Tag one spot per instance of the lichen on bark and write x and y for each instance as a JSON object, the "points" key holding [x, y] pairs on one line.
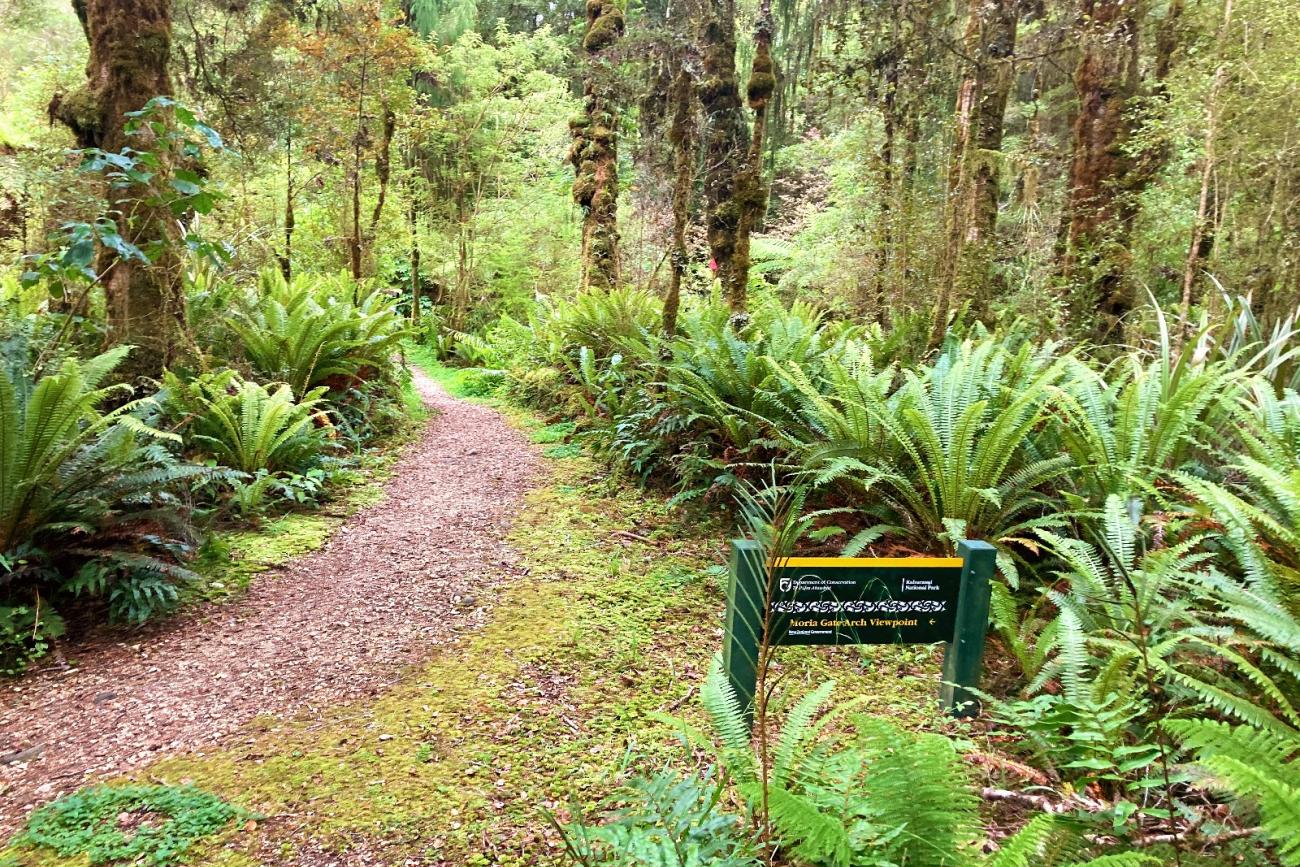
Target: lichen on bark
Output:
{"points": [[594, 150], [725, 152]]}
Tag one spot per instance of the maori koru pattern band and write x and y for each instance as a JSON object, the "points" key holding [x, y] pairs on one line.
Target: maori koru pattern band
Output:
{"points": [[861, 606]]}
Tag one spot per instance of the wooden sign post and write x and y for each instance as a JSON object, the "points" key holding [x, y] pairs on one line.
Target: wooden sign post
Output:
{"points": [[844, 600]]}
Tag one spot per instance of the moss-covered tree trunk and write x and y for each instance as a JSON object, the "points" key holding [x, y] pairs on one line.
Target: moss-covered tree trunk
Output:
{"points": [[130, 45], [725, 151], [594, 152], [286, 260], [974, 173], [682, 136], [1099, 207], [997, 45], [751, 192]]}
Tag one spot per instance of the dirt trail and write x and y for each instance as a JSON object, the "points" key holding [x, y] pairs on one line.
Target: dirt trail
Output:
{"points": [[396, 580]]}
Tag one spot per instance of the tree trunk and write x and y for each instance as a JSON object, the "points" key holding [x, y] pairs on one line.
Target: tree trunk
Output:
{"points": [[682, 136], [727, 196], [413, 224], [286, 261], [358, 151], [751, 191], [955, 215], [1202, 240], [974, 173], [997, 48], [383, 165], [1099, 209], [130, 45], [412, 217], [877, 304], [594, 152], [12, 207]]}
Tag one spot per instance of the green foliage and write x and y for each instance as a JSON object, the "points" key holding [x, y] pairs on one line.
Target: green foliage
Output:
{"points": [[842, 790], [951, 450], [164, 173], [25, 633], [1133, 423], [79, 486], [1259, 509], [1258, 766], [661, 820], [252, 428], [316, 332], [137, 824], [1090, 740], [1133, 612], [872, 795]]}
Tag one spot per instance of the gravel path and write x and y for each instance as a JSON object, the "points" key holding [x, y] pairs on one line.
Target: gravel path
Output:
{"points": [[395, 581]]}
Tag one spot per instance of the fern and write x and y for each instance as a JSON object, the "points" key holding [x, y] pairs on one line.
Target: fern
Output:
{"points": [[79, 485], [257, 428], [311, 334], [951, 451], [1261, 766], [729, 724]]}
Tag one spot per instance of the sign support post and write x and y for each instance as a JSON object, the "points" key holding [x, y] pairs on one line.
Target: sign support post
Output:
{"points": [[964, 657], [746, 603]]}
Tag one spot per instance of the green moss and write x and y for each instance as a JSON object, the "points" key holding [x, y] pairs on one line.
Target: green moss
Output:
{"points": [[79, 109], [553, 433], [760, 89], [762, 79], [604, 26], [231, 559], [584, 188]]}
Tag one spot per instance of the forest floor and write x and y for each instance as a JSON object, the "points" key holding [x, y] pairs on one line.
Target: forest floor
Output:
{"points": [[491, 644], [396, 581]]}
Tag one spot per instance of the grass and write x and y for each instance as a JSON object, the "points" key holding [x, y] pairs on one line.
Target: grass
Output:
{"points": [[549, 706]]}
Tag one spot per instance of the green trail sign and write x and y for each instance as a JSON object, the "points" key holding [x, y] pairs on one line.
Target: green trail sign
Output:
{"points": [[834, 600]]}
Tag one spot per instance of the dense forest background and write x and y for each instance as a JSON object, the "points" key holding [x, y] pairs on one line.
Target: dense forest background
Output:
{"points": [[1050, 161]]}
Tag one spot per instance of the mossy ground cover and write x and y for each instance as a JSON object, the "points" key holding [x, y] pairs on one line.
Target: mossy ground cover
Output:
{"points": [[549, 706]]}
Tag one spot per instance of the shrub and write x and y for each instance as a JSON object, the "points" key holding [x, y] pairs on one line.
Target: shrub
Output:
{"points": [[1136, 614], [1132, 424], [81, 489], [309, 334], [1259, 767], [952, 452], [841, 789], [277, 446], [251, 427]]}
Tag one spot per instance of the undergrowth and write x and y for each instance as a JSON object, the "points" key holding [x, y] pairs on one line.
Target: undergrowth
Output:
{"points": [[136, 823], [621, 607]]}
